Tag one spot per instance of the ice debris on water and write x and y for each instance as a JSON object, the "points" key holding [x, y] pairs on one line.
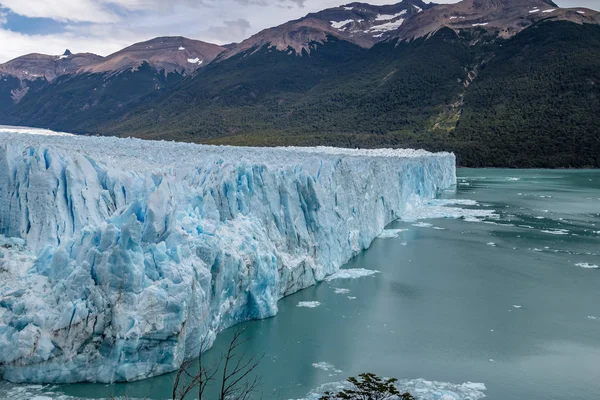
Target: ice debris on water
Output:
{"points": [[556, 231], [441, 208], [391, 233], [308, 304], [423, 225], [341, 291], [588, 266], [351, 274], [325, 366], [420, 388], [124, 253]]}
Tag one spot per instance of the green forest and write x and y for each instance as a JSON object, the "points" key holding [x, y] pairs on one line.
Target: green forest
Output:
{"points": [[529, 101]]}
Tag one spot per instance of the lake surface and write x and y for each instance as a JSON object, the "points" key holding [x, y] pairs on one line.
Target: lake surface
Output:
{"points": [[507, 295]]}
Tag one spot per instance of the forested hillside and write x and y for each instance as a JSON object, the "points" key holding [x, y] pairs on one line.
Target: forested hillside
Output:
{"points": [[532, 100], [537, 102]]}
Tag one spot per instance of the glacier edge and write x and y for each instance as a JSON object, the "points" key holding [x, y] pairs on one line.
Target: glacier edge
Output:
{"points": [[118, 255]]}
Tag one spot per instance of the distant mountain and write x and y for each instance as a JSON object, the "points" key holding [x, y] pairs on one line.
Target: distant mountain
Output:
{"points": [[359, 23], [506, 17], [500, 82], [41, 66], [169, 54]]}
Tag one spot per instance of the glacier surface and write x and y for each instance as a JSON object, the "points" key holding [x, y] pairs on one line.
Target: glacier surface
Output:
{"points": [[117, 256]]}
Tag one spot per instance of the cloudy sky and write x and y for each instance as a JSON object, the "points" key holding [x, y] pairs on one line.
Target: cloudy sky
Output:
{"points": [[105, 26]]}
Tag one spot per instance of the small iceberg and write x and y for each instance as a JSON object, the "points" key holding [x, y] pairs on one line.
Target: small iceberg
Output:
{"points": [[391, 233], [308, 304], [351, 274]]}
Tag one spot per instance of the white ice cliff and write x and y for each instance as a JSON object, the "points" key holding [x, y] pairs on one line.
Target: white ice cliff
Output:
{"points": [[118, 255]]}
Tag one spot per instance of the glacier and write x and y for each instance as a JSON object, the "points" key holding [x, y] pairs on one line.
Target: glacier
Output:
{"points": [[118, 256]]}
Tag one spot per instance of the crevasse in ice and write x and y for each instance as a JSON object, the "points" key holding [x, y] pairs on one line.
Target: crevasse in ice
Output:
{"points": [[118, 255]]}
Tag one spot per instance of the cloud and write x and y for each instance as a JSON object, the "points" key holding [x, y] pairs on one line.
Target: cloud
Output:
{"points": [[230, 30], [16, 44], [62, 10]]}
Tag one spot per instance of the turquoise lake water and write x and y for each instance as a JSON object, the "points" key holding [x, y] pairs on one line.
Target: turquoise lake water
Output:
{"points": [[507, 295]]}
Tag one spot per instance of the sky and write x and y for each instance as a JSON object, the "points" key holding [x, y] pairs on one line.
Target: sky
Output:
{"points": [[106, 26]]}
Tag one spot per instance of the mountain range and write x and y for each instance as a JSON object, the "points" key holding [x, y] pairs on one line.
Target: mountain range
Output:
{"points": [[510, 83]]}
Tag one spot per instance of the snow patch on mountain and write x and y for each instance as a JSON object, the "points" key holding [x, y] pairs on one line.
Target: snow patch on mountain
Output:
{"points": [[341, 24], [390, 26], [388, 17]]}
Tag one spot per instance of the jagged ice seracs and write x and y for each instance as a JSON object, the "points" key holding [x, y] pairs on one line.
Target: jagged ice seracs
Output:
{"points": [[118, 256]]}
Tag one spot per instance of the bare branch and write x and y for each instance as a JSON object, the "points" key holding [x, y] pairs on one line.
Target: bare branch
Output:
{"points": [[235, 373]]}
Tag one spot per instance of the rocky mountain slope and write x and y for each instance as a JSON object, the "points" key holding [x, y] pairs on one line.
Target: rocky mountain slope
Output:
{"points": [[359, 23], [169, 54], [507, 17], [41, 66]]}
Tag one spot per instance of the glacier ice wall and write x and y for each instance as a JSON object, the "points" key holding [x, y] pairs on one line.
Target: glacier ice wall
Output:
{"points": [[118, 255]]}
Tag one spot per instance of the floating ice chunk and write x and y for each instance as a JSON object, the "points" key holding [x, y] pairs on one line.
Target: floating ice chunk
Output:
{"points": [[308, 304], [351, 298], [423, 225], [421, 388], [587, 266], [453, 202], [351, 274], [325, 366], [513, 179], [341, 291], [492, 244], [556, 231], [592, 317], [391, 233], [439, 209], [517, 307]]}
